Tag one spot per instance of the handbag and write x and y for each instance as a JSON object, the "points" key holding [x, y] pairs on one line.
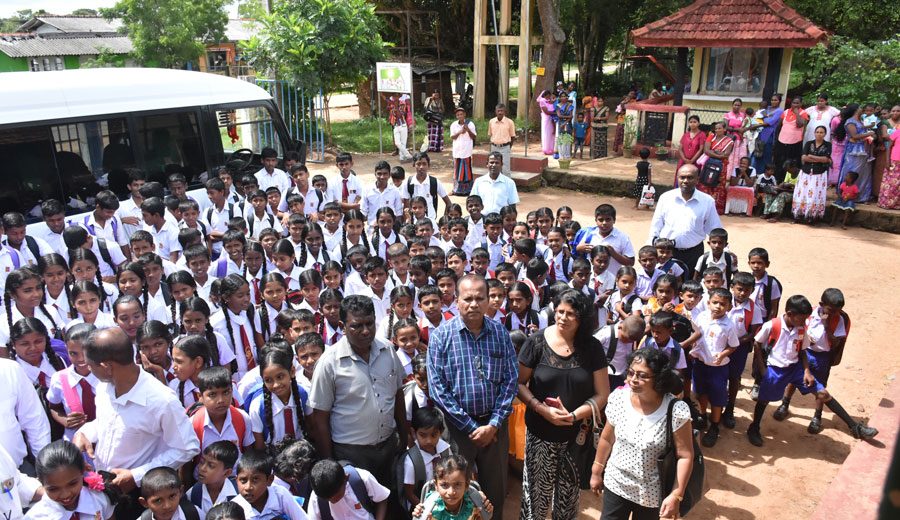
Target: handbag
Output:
{"points": [[583, 452], [711, 174], [667, 465]]}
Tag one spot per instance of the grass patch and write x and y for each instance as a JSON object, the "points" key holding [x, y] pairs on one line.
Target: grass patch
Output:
{"points": [[361, 136]]}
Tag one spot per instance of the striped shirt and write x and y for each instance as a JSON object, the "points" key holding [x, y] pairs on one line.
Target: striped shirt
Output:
{"points": [[472, 379]]}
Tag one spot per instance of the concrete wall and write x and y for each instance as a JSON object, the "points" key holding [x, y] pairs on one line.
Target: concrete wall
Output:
{"points": [[8, 64]]}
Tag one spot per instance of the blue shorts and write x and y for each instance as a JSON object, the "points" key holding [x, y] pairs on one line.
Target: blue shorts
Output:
{"points": [[738, 361], [819, 365], [688, 371], [776, 379], [712, 382]]}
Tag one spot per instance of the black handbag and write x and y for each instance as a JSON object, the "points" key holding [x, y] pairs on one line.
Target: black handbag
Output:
{"points": [[712, 172], [667, 465], [583, 448]]}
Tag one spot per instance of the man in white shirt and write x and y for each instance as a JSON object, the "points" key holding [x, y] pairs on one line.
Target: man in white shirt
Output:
{"points": [[382, 194], [269, 175], [685, 215], [495, 190], [50, 230], [462, 131], [345, 187], [140, 424], [820, 114]]}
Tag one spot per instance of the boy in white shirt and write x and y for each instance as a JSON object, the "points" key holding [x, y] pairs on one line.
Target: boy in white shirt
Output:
{"points": [[718, 256], [381, 195], [418, 463], [163, 495], [647, 273], [257, 496], [258, 217], [424, 185], [747, 319], [215, 484], [710, 375], [345, 188], [621, 251], [349, 493], [269, 175], [165, 235], [784, 338], [129, 211], [618, 340]]}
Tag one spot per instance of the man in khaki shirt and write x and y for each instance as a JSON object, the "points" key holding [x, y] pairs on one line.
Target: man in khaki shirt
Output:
{"points": [[502, 133]]}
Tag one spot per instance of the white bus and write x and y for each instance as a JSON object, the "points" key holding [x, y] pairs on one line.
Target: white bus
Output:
{"points": [[67, 134]]}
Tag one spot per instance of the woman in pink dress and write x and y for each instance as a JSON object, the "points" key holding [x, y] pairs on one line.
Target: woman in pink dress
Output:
{"points": [[548, 129], [837, 152], [691, 147], [735, 124], [889, 194]]}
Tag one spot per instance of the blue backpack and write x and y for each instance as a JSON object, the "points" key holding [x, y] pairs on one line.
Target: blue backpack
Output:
{"points": [[257, 390]]}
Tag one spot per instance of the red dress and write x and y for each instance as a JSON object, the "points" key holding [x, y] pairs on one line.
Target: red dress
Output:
{"points": [[689, 147]]}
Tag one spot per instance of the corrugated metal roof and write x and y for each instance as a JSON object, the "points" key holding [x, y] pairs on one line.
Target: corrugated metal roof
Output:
{"points": [[74, 24], [26, 47]]}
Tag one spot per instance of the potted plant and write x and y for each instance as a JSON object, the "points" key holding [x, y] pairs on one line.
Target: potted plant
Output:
{"points": [[630, 135], [662, 153], [564, 145]]}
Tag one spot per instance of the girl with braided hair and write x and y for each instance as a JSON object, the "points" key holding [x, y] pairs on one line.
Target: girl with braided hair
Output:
{"points": [[84, 266], [330, 324], [190, 355], [255, 269], [24, 298], [55, 272], [310, 287], [29, 345], [195, 315], [86, 302], [384, 235], [133, 282], [354, 235], [354, 261], [154, 343], [182, 286], [312, 251], [274, 291], [283, 257], [407, 339], [401, 308], [333, 276], [236, 322], [279, 411]]}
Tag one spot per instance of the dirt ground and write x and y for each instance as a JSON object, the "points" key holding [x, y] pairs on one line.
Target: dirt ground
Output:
{"points": [[787, 477]]}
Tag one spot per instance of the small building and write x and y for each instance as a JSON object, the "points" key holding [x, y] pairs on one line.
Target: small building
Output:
{"points": [[742, 49], [226, 57], [60, 42]]}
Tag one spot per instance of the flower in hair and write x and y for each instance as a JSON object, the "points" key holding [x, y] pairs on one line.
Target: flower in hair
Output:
{"points": [[94, 481]]}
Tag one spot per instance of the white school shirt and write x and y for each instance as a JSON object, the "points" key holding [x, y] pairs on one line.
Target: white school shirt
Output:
{"points": [[128, 208], [409, 473], [33, 372], [618, 365], [56, 395], [556, 263], [49, 318], [717, 336], [231, 267], [279, 504], [177, 515], [373, 199], [737, 315], [405, 361], [818, 336], [217, 220], [25, 255], [217, 320], [91, 505], [786, 350], [353, 283], [257, 420], [420, 398], [277, 178], [141, 429], [494, 249], [382, 304], [721, 263], [225, 494], [156, 310], [21, 487], [466, 247], [331, 240], [687, 222], [55, 240], [256, 224], [349, 506], [166, 239], [516, 323], [292, 279], [395, 281], [311, 260], [759, 292], [102, 321], [680, 363], [476, 232], [189, 389], [311, 199], [331, 335], [495, 193], [423, 189], [226, 356], [643, 285], [617, 240], [674, 269], [112, 233], [379, 244], [272, 315], [115, 254], [60, 304], [336, 188]]}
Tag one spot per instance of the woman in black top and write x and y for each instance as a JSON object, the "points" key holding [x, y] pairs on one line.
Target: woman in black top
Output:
{"points": [[560, 369], [809, 193]]}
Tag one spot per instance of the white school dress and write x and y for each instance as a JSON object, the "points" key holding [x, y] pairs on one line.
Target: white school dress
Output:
{"points": [[66, 388], [91, 506], [17, 488]]}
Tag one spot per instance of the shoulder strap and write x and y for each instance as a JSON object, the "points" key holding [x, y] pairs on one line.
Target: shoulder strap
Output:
{"points": [[250, 220], [748, 315], [209, 213], [774, 333], [222, 266], [33, 247], [703, 262], [613, 343], [320, 197], [432, 188], [167, 294], [415, 456], [190, 512], [240, 426], [409, 187], [14, 256], [198, 421], [475, 496], [70, 394], [676, 352], [628, 304], [359, 489], [104, 252], [147, 515], [196, 494]]}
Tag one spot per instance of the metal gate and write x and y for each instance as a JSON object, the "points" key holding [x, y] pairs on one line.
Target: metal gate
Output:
{"points": [[303, 113]]}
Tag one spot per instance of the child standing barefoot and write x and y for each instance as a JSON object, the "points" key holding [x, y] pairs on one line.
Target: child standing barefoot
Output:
{"points": [[845, 204], [643, 175]]}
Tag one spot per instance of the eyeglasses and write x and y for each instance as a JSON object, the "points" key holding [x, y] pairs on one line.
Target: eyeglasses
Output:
{"points": [[640, 376]]}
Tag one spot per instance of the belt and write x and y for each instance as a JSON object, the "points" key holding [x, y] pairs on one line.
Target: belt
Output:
{"points": [[689, 248], [501, 145]]}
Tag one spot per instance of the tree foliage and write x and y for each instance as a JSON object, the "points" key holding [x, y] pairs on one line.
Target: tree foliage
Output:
{"points": [[169, 33]]}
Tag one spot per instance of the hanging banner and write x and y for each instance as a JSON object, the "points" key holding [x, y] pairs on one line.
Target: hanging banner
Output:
{"points": [[393, 77]]}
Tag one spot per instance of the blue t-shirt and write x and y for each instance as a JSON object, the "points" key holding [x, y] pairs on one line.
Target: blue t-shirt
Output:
{"points": [[580, 130]]}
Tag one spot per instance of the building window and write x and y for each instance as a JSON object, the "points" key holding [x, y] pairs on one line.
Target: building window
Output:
{"points": [[735, 71], [47, 63]]}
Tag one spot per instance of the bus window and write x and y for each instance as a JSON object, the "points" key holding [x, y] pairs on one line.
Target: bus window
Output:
{"points": [[248, 128], [93, 153], [171, 144], [28, 170]]}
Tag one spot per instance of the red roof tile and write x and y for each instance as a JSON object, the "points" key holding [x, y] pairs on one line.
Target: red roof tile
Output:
{"points": [[731, 23]]}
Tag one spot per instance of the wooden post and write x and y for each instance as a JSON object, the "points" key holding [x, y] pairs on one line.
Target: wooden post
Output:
{"points": [[479, 60], [524, 97], [505, 22]]}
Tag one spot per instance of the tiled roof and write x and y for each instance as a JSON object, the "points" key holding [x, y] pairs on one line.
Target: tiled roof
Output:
{"points": [[30, 46], [74, 24], [731, 23]]}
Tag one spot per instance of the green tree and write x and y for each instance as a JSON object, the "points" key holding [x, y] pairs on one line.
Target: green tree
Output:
{"points": [[170, 33], [84, 12], [322, 43]]}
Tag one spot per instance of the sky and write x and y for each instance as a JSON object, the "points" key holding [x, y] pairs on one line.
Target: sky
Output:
{"points": [[10, 7]]}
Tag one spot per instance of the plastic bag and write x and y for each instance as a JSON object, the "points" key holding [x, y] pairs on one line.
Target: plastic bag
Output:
{"points": [[648, 197]]}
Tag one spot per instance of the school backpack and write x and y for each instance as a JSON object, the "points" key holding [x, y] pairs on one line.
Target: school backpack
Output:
{"points": [[114, 222], [767, 293], [195, 494], [432, 189], [198, 421], [430, 496], [682, 327], [531, 318], [359, 489], [613, 344], [830, 327], [418, 463], [729, 266], [222, 266], [250, 220], [775, 333], [187, 508], [673, 262], [209, 213]]}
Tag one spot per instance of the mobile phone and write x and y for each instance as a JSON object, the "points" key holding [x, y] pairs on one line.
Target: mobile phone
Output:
{"points": [[553, 402]]}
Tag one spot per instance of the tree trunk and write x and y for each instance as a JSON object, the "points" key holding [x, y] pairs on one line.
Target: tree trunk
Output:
{"points": [[554, 39]]}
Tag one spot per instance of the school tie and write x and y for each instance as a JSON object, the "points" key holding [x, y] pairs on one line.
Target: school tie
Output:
{"points": [[248, 352], [74, 516], [386, 246], [288, 422], [169, 377], [335, 337], [196, 395], [551, 273], [87, 400], [345, 192], [42, 380], [317, 266], [256, 293]]}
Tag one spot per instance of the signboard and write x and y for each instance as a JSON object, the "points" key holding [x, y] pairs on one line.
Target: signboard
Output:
{"points": [[393, 77], [539, 71], [656, 128]]}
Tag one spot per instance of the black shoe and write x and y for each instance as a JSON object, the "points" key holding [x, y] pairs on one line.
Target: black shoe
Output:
{"points": [[711, 436], [754, 393], [728, 420], [861, 431], [781, 412], [754, 436], [815, 425], [701, 423]]}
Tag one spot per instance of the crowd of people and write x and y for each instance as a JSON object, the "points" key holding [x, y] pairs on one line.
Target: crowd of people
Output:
{"points": [[325, 348]]}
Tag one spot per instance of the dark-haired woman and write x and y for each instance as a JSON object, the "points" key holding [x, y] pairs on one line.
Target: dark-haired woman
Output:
{"points": [[561, 368], [625, 468]]}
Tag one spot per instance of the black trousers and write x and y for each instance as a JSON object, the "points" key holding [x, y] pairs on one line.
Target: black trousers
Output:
{"points": [[491, 462], [618, 508], [690, 257], [377, 459]]}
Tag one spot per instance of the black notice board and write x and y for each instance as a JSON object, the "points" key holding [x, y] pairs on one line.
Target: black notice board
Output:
{"points": [[656, 128]]}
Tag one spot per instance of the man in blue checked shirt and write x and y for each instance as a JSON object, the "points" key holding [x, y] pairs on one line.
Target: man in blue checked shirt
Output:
{"points": [[472, 377]]}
